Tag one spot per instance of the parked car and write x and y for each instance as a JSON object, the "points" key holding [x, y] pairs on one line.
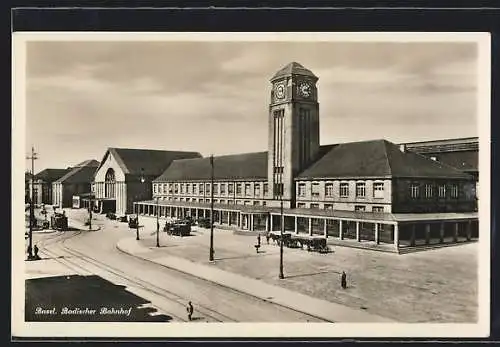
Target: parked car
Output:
{"points": [[204, 222], [111, 215], [133, 222]]}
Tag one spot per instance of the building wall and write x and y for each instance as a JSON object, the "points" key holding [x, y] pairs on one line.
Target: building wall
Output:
{"points": [[346, 203], [186, 192], [403, 202], [98, 186]]}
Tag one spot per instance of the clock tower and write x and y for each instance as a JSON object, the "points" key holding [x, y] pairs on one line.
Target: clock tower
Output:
{"points": [[293, 129]]}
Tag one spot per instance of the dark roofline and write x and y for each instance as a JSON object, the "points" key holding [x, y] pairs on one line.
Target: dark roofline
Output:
{"points": [[457, 139]]}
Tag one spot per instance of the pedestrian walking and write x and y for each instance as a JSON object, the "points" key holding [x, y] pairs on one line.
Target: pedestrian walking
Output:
{"points": [[35, 249], [190, 310], [267, 238], [258, 239], [30, 255], [343, 280]]}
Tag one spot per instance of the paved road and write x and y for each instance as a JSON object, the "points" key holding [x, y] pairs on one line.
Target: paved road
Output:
{"points": [[168, 290]]}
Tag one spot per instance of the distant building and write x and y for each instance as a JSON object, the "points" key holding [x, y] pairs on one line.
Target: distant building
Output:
{"points": [[373, 191], [461, 153], [42, 187], [124, 176], [76, 182]]}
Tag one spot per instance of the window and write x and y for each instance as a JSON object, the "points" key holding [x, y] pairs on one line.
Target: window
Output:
{"points": [[247, 189], [360, 189], [329, 190], [328, 206], [195, 189], [278, 189], [301, 205], [302, 189], [230, 188], [222, 201], [200, 188], [181, 199], [454, 191], [414, 191], [256, 203], [256, 189], [263, 203], [230, 202], [170, 188], [223, 189], [238, 188], [207, 188], [188, 199], [378, 209], [183, 188], [428, 191], [314, 205], [442, 191], [315, 189], [154, 188], [359, 208], [207, 200], [176, 188], [216, 188], [247, 203], [378, 190], [344, 190], [266, 188], [239, 202], [164, 188]]}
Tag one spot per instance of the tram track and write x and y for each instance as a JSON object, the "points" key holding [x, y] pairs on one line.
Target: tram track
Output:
{"points": [[116, 275]]}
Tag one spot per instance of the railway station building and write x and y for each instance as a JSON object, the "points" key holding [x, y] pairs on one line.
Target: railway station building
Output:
{"points": [[376, 193]]}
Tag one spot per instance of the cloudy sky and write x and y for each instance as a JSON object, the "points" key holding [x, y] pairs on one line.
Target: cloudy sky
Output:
{"points": [[213, 97]]}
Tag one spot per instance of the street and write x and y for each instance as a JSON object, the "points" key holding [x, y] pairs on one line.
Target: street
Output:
{"points": [[94, 253]]}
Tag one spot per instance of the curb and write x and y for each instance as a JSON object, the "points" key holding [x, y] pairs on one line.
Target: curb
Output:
{"points": [[327, 320], [222, 285]]}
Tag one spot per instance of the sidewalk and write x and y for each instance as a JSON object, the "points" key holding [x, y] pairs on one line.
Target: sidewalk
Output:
{"points": [[316, 307]]}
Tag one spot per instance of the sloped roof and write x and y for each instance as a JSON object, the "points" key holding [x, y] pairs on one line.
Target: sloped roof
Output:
{"points": [[51, 175], [90, 162], [293, 68], [463, 160], [376, 158], [81, 173], [148, 162], [238, 166]]}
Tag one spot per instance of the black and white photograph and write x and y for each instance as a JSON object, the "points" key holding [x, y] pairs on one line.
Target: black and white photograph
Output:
{"points": [[251, 185]]}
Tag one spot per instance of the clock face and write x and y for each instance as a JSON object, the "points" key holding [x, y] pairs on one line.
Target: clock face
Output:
{"points": [[280, 91], [305, 89]]}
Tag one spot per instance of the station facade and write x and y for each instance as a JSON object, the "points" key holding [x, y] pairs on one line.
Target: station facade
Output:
{"points": [[370, 191]]}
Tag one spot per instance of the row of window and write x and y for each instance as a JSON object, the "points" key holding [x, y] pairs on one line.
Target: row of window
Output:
{"points": [[378, 189], [429, 190], [359, 208], [216, 201], [204, 188]]}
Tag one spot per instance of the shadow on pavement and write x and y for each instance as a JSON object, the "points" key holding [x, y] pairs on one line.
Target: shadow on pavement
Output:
{"points": [[85, 299]]}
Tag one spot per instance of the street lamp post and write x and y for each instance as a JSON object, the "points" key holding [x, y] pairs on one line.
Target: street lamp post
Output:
{"points": [[282, 231], [90, 211], [211, 257], [137, 222], [157, 223], [33, 157]]}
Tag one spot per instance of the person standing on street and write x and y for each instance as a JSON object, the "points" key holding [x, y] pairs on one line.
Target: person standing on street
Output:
{"points": [[190, 310], [343, 280]]}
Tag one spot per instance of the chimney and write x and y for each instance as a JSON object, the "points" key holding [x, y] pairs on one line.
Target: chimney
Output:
{"points": [[402, 148]]}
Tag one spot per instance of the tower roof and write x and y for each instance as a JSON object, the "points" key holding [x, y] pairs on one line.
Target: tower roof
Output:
{"points": [[293, 68]]}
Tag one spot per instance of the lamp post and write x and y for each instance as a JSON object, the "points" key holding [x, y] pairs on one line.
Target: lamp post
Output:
{"points": [[211, 257], [137, 222], [157, 223], [33, 157], [282, 230], [90, 211]]}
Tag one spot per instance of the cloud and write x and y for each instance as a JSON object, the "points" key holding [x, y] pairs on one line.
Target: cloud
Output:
{"points": [[83, 97]]}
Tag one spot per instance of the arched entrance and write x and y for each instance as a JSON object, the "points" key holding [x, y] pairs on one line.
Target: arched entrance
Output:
{"points": [[109, 184]]}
